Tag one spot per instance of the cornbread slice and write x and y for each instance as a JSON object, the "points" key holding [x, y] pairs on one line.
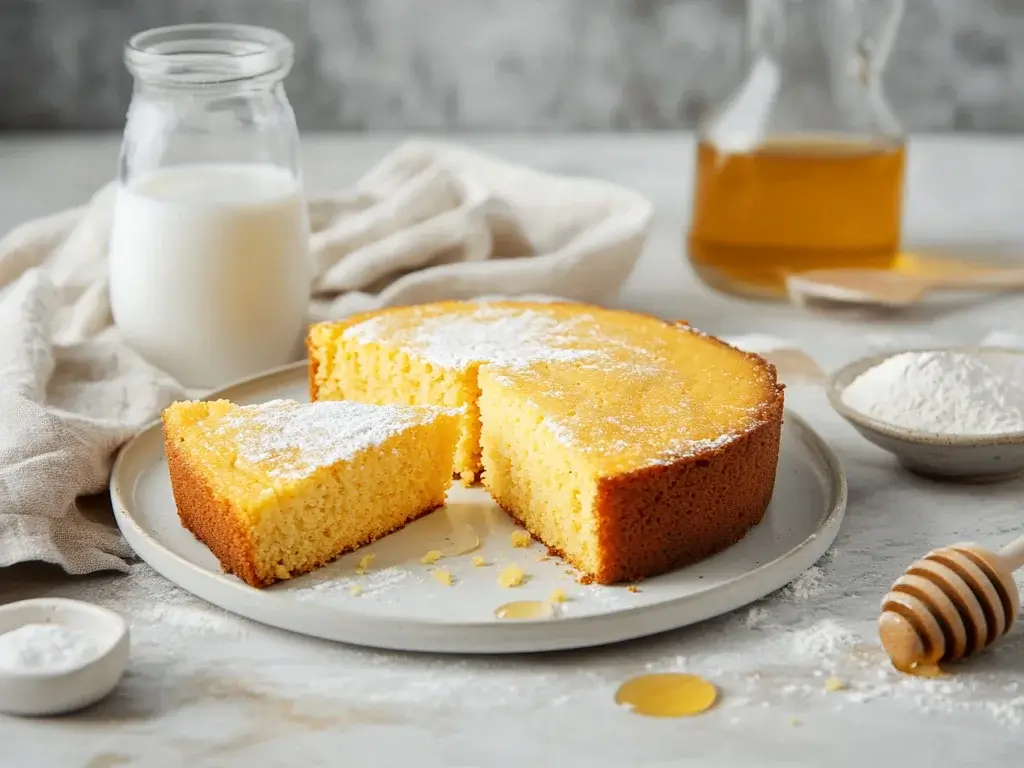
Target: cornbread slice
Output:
{"points": [[278, 489], [628, 445]]}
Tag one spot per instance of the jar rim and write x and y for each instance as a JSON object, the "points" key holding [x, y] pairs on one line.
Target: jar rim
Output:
{"points": [[208, 53]]}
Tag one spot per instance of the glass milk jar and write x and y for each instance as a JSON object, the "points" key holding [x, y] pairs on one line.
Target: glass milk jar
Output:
{"points": [[210, 271]]}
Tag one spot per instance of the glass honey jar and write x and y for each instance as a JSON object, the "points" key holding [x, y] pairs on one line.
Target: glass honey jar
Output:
{"points": [[802, 166]]}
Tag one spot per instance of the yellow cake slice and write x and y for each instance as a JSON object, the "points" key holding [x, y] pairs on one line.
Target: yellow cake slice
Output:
{"points": [[627, 444], [278, 489]]}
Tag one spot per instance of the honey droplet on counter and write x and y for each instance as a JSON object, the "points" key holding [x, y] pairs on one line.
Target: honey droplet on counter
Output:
{"points": [[667, 694], [526, 609], [461, 540]]}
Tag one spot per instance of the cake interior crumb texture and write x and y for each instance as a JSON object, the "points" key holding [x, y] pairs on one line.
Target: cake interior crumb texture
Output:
{"points": [[278, 489], [628, 445]]}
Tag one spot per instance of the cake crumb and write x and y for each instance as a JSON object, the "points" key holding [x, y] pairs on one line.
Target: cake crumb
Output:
{"points": [[542, 558], [570, 572], [443, 576], [558, 596], [633, 588], [521, 539], [355, 590], [794, 721], [833, 684], [479, 562], [585, 579], [432, 557], [511, 576], [364, 564]]}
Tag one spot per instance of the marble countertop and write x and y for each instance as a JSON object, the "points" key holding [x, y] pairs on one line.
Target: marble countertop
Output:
{"points": [[207, 688]]}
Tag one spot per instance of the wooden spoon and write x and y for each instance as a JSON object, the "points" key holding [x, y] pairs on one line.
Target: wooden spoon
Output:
{"points": [[951, 604], [894, 289]]}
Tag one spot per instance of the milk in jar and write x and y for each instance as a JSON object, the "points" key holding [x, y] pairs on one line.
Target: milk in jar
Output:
{"points": [[209, 269]]}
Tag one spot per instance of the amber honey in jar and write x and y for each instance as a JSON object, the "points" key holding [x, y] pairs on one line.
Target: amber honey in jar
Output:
{"points": [[792, 204], [801, 167]]}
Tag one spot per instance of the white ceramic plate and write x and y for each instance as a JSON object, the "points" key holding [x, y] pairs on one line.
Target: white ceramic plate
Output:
{"points": [[403, 606]]}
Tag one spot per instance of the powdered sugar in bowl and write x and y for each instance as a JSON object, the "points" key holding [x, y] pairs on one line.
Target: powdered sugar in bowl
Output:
{"points": [[956, 413], [58, 655]]}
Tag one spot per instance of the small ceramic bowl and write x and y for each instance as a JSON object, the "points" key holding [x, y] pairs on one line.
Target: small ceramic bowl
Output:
{"points": [[964, 458], [35, 693]]}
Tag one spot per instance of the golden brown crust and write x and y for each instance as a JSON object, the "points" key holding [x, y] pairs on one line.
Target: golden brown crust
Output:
{"points": [[663, 517], [210, 519]]}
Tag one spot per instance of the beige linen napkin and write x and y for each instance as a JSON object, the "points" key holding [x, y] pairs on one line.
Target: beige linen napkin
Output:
{"points": [[431, 221]]}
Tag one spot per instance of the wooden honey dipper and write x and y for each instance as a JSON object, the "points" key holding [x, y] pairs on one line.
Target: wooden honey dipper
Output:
{"points": [[950, 604]]}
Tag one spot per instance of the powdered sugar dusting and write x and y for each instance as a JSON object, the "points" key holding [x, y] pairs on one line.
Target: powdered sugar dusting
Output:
{"points": [[290, 439], [531, 347], [510, 339], [807, 585], [676, 448], [561, 433], [814, 650], [327, 588], [823, 640], [756, 617]]}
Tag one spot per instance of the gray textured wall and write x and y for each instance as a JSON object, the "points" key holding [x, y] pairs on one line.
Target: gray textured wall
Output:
{"points": [[507, 65]]}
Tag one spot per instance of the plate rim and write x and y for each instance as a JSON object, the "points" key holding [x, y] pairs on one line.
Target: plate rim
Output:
{"points": [[471, 637]]}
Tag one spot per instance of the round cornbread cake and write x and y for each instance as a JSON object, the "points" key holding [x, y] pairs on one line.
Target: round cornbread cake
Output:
{"points": [[628, 445]]}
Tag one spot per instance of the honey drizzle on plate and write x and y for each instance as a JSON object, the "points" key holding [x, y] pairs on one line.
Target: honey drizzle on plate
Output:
{"points": [[526, 609]]}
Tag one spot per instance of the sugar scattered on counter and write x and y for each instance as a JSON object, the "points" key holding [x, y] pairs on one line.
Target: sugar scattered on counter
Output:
{"points": [[756, 617], [823, 639], [333, 588], [46, 648], [809, 584]]}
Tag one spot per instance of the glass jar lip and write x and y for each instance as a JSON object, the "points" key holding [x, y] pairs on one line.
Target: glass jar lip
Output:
{"points": [[208, 53]]}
